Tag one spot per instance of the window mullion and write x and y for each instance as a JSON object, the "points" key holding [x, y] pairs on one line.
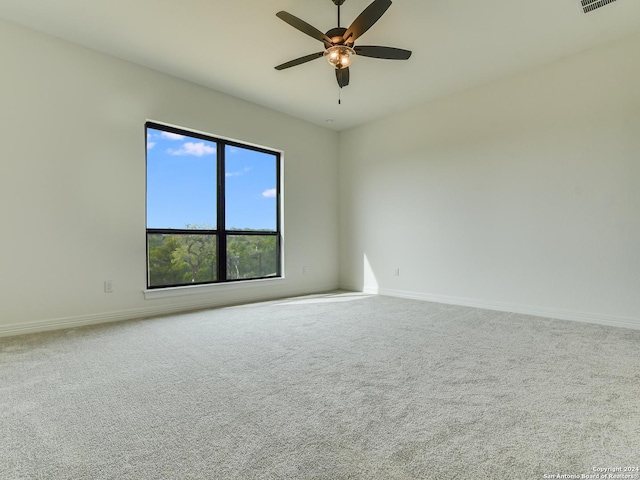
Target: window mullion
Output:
{"points": [[222, 237]]}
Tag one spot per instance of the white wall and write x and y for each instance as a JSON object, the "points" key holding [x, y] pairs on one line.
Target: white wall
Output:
{"points": [[72, 188], [520, 195]]}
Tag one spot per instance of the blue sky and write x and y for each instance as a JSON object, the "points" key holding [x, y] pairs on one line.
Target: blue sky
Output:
{"points": [[181, 184]]}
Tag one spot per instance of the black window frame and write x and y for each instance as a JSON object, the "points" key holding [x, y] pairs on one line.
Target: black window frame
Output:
{"points": [[220, 232]]}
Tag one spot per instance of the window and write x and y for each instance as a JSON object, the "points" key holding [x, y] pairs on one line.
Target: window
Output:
{"points": [[213, 209]]}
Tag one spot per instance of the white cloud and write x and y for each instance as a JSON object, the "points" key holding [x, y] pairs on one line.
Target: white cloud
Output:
{"points": [[171, 136], [271, 193], [196, 149], [150, 145], [237, 173]]}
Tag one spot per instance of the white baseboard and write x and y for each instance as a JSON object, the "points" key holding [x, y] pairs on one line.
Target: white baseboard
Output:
{"points": [[599, 319], [151, 311], [156, 310]]}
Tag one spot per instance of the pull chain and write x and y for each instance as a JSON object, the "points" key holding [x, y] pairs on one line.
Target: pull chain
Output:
{"points": [[339, 92]]}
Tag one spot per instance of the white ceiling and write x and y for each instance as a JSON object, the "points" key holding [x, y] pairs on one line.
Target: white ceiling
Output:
{"points": [[232, 46]]}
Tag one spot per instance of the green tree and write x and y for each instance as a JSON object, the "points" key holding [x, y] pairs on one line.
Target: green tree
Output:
{"points": [[195, 257], [162, 270], [178, 259], [251, 256]]}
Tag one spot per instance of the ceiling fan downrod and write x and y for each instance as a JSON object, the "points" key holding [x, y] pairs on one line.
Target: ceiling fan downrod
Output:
{"points": [[338, 3]]}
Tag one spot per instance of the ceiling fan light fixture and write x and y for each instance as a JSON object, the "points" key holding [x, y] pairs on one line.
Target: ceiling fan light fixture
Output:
{"points": [[339, 56]]}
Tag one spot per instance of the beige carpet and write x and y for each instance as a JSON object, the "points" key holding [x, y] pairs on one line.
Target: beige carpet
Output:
{"points": [[342, 386]]}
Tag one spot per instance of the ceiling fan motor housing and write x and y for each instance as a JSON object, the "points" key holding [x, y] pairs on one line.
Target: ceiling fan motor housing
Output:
{"points": [[336, 35]]}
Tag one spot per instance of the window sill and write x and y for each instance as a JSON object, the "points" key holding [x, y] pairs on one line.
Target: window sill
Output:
{"points": [[208, 289]]}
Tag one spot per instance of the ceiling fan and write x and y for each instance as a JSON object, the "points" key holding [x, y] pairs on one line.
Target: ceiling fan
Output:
{"points": [[339, 41]]}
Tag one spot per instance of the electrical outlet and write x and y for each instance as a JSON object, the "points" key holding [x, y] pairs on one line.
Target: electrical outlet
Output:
{"points": [[305, 269], [396, 272], [108, 286]]}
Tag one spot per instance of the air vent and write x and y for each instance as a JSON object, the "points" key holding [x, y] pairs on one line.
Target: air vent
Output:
{"points": [[590, 5]]}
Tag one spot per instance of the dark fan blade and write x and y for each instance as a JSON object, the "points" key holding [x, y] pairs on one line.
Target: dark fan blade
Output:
{"points": [[342, 75], [303, 26], [389, 53], [366, 19], [299, 61]]}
